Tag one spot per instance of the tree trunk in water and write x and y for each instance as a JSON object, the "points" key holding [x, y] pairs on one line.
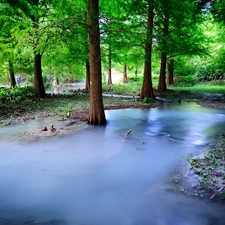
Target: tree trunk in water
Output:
{"points": [[38, 81], [162, 77], [170, 80], [125, 74], [87, 83], [12, 75], [96, 109], [147, 89], [110, 69]]}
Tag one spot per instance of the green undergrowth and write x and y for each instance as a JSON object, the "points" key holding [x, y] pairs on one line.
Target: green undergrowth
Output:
{"points": [[18, 100], [131, 89], [15, 94], [209, 87]]}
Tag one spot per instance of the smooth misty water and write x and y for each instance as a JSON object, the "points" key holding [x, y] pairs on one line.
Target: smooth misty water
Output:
{"points": [[96, 177]]}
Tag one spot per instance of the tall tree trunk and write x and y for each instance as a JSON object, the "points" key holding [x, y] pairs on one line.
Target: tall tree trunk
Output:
{"points": [[125, 80], [38, 81], [110, 68], [12, 74], [170, 80], [162, 76], [147, 89], [87, 83], [96, 109]]}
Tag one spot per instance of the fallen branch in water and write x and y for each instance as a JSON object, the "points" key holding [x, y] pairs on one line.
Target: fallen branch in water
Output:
{"points": [[217, 191], [128, 132]]}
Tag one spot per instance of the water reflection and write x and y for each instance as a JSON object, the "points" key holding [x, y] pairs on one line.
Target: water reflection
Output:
{"points": [[98, 177]]}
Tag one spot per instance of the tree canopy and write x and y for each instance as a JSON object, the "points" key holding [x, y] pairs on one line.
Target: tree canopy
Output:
{"points": [[52, 37]]}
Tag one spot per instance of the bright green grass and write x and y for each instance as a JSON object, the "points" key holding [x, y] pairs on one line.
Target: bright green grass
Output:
{"points": [[207, 87], [134, 88]]}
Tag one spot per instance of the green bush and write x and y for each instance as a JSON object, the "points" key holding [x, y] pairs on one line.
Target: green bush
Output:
{"points": [[15, 94], [210, 72], [186, 81], [123, 89], [136, 79]]}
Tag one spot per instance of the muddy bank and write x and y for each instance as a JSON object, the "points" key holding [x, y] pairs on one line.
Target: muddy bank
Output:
{"points": [[66, 113], [200, 176]]}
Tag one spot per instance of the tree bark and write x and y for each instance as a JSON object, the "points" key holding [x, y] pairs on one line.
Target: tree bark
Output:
{"points": [[162, 77], [110, 69], [96, 109], [147, 89], [38, 81], [125, 80], [12, 74], [87, 83], [39, 89], [170, 79]]}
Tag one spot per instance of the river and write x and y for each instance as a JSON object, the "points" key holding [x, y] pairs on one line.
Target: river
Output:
{"points": [[98, 177]]}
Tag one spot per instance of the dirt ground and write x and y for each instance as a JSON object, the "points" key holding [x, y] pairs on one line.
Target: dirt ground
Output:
{"points": [[200, 176]]}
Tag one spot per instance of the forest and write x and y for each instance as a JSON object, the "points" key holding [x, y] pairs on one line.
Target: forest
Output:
{"points": [[151, 73], [162, 44]]}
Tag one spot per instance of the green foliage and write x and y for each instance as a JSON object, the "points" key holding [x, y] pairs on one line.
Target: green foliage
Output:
{"points": [[202, 87], [210, 72], [218, 10], [15, 94], [186, 81], [131, 89], [59, 30], [66, 110], [135, 79], [184, 66]]}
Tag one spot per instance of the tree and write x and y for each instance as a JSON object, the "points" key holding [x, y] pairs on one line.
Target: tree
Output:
{"points": [[177, 31], [6, 42], [96, 109], [12, 75], [164, 17], [34, 27], [72, 18], [110, 68], [147, 89], [33, 11], [170, 76]]}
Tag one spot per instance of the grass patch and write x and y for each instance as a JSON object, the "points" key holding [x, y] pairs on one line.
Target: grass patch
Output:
{"points": [[131, 89], [202, 88]]}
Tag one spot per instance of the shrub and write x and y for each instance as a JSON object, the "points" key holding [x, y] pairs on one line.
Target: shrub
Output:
{"points": [[210, 72], [136, 79], [186, 81], [15, 94]]}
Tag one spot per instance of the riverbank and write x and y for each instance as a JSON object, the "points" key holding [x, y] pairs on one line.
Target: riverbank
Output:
{"points": [[201, 176]]}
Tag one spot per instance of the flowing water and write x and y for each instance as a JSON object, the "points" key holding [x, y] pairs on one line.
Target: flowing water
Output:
{"points": [[97, 177]]}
